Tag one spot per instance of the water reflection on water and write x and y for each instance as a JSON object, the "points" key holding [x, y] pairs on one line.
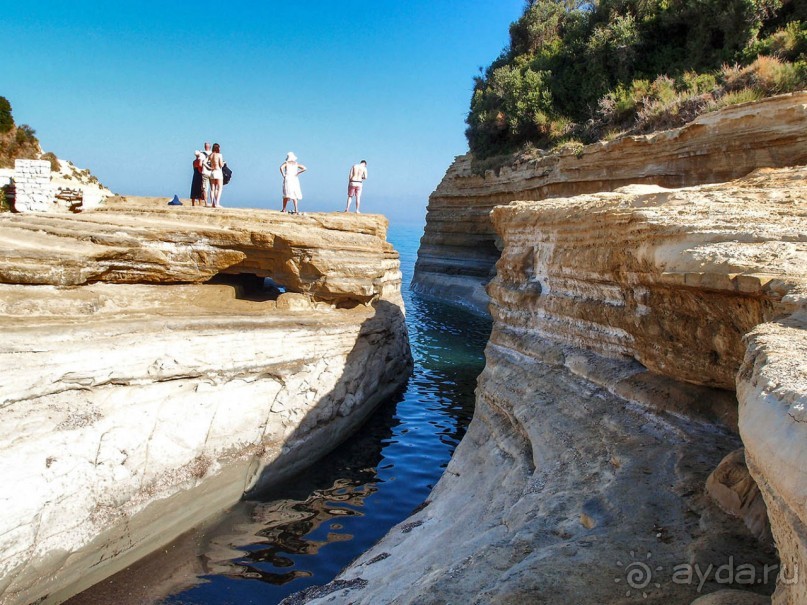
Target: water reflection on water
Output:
{"points": [[305, 531]]}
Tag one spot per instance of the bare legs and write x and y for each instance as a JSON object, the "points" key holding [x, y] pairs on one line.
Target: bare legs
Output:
{"points": [[286, 200], [358, 203], [205, 188], [215, 192]]}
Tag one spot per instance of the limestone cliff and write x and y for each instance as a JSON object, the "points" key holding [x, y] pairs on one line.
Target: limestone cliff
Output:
{"points": [[772, 389], [142, 396], [607, 400], [459, 247]]}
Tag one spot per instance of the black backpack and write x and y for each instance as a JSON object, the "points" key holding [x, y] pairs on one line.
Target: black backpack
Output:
{"points": [[227, 173]]}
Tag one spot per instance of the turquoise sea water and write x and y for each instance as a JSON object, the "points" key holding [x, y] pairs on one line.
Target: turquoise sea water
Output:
{"points": [[304, 532]]}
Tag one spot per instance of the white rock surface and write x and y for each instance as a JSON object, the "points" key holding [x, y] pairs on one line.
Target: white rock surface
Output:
{"points": [[135, 411], [772, 389]]}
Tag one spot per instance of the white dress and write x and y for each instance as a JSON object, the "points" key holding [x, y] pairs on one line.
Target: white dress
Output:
{"points": [[291, 182]]}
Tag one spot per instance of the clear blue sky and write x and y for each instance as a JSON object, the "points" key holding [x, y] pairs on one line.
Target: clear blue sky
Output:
{"points": [[131, 89]]}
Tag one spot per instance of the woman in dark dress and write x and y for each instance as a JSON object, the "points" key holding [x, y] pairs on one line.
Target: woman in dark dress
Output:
{"points": [[197, 191]]}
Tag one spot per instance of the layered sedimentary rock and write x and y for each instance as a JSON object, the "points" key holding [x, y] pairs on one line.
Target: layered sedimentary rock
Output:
{"points": [[671, 278], [326, 256], [140, 397], [772, 389], [459, 247], [582, 476]]}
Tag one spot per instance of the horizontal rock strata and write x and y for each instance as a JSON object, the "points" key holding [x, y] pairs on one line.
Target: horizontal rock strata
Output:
{"points": [[671, 278], [582, 468], [326, 256], [459, 247], [132, 411]]}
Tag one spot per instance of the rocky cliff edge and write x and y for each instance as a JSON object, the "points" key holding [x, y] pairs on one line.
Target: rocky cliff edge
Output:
{"points": [[627, 325], [153, 374]]}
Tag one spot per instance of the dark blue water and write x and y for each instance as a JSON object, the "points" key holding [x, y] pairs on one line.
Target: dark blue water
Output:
{"points": [[304, 532]]}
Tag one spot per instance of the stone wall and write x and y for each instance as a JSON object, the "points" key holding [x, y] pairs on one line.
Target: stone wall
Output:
{"points": [[33, 189]]}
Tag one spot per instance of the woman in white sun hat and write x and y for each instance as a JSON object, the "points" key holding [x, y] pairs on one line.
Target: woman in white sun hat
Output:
{"points": [[291, 170]]}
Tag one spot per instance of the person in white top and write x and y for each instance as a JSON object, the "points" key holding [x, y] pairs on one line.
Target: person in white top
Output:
{"points": [[206, 174], [291, 170], [355, 180]]}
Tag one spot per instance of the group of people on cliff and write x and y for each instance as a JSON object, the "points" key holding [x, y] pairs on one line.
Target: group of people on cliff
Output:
{"points": [[210, 174]]}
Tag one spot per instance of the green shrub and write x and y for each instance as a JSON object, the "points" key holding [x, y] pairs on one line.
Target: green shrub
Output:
{"points": [[4, 205], [768, 75], [622, 103], [736, 97], [25, 135], [54, 161], [6, 120], [787, 43], [586, 68], [696, 84]]}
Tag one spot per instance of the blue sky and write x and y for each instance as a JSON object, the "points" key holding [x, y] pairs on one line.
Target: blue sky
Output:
{"points": [[131, 89]]}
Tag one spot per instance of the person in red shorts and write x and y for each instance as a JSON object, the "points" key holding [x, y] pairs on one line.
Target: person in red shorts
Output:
{"points": [[356, 177]]}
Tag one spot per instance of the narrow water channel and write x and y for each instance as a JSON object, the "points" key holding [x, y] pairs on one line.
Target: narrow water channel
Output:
{"points": [[303, 532]]}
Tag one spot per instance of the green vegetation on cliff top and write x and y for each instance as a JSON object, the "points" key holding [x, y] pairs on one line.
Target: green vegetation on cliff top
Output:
{"points": [[577, 72], [15, 141]]}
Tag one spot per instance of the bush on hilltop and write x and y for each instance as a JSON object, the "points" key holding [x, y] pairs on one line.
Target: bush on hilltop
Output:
{"points": [[6, 121], [579, 71], [15, 141]]}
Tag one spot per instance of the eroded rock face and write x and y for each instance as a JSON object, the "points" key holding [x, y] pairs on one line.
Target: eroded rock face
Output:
{"points": [[734, 490], [580, 459], [329, 257], [560, 490], [459, 248], [772, 389], [671, 278], [135, 410]]}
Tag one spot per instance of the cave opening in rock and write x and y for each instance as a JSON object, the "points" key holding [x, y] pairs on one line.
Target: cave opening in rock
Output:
{"points": [[249, 286]]}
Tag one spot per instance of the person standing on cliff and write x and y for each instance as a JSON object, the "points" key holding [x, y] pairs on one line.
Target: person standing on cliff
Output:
{"points": [[291, 171], [355, 180], [216, 175], [206, 170], [197, 192]]}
